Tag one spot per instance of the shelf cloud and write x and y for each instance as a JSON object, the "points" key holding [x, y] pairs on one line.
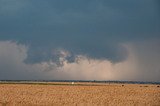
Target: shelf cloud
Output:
{"points": [[138, 66], [85, 39]]}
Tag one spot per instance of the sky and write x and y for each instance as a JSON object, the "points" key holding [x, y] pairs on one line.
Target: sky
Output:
{"points": [[80, 40]]}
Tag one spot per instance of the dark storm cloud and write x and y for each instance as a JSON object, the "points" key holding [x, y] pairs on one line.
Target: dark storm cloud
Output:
{"points": [[95, 28], [80, 39], [142, 64]]}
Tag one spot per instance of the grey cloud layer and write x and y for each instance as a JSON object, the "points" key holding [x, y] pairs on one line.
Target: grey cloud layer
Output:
{"points": [[139, 66], [80, 39], [93, 28]]}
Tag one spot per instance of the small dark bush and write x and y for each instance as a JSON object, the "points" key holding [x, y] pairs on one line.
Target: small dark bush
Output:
{"points": [[157, 86], [145, 86], [122, 85]]}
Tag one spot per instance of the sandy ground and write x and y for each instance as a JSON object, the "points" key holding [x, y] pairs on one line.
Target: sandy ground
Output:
{"points": [[82, 95]]}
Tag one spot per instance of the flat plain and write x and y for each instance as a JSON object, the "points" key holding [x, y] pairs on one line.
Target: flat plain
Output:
{"points": [[79, 94]]}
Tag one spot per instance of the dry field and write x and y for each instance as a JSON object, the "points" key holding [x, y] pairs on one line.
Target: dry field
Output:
{"points": [[81, 94]]}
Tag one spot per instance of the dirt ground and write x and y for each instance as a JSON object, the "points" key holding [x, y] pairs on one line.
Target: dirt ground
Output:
{"points": [[80, 94]]}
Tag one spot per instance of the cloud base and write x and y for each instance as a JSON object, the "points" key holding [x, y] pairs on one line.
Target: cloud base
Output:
{"points": [[138, 66]]}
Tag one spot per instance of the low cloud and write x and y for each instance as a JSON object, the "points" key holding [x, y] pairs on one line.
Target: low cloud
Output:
{"points": [[142, 64]]}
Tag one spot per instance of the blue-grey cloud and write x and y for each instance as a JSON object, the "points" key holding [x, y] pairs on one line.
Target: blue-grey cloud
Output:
{"points": [[93, 28], [139, 65]]}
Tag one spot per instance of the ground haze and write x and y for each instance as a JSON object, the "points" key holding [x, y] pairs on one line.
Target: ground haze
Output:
{"points": [[49, 94]]}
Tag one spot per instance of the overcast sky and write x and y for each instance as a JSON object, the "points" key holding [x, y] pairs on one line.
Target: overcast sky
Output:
{"points": [[80, 39]]}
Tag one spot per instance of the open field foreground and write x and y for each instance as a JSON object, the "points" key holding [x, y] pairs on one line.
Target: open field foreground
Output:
{"points": [[82, 94]]}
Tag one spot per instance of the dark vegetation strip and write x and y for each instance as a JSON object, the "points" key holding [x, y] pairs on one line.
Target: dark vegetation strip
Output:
{"points": [[61, 84], [81, 81]]}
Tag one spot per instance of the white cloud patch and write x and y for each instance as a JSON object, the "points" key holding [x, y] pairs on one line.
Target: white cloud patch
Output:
{"points": [[142, 64]]}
